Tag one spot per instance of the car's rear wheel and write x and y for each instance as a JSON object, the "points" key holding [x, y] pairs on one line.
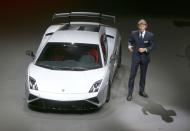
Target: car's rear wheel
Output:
{"points": [[108, 93], [120, 53]]}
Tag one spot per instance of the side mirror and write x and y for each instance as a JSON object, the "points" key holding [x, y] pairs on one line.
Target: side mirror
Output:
{"points": [[30, 53]]}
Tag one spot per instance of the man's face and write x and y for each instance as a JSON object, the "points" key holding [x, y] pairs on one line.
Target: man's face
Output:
{"points": [[142, 27]]}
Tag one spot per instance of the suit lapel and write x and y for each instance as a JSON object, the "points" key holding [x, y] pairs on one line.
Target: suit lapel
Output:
{"points": [[145, 36], [137, 35], [138, 38]]}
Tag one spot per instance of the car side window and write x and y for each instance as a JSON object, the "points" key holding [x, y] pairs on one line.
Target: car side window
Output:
{"points": [[104, 47]]}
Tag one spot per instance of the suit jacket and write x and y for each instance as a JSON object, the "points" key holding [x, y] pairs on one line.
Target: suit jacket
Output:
{"points": [[137, 42]]}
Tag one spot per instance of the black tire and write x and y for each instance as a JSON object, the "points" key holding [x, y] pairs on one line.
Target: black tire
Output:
{"points": [[108, 93], [120, 53]]}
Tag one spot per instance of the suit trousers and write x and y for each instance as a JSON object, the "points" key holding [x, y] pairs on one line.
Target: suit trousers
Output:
{"points": [[142, 61]]}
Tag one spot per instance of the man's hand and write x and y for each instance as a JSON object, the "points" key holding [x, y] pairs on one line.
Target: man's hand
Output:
{"points": [[141, 50], [130, 49]]}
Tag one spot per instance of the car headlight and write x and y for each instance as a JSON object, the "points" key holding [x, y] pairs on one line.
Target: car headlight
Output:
{"points": [[32, 83], [95, 86]]}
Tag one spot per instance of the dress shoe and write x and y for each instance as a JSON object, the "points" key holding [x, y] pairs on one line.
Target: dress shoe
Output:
{"points": [[143, 94], [129, 97]]}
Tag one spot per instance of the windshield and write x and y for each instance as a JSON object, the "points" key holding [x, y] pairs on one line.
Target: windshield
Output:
{"points": [[67, 56]]}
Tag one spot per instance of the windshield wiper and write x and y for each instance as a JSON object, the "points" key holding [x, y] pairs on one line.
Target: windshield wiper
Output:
{"points": [[45, 66], [79, 68], [69, 68], [53, 67], [62, 68]]}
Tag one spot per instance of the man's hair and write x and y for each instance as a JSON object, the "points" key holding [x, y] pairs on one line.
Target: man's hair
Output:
{"points": [[142, 22]]}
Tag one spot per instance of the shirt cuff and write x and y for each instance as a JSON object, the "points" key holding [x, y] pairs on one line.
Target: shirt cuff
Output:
{"points": [[146, 50], [130, 46]]}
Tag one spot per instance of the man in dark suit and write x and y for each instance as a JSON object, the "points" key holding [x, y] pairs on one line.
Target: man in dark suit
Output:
{"points": [[140, 44]]}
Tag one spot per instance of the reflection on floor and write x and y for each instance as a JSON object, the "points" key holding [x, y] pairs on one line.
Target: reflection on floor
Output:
{"points": [[149, 106]]}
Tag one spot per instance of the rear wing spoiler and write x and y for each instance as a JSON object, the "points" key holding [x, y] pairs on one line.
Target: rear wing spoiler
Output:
{"points": [[99, 16]]}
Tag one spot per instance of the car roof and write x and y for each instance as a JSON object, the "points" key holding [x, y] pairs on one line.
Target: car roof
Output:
{"points": [[75, 36]]}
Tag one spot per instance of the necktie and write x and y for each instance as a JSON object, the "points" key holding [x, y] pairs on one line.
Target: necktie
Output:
{"points": [[141, 35]]}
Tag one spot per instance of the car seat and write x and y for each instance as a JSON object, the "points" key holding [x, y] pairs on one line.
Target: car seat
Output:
{"points": [[93, 52]]}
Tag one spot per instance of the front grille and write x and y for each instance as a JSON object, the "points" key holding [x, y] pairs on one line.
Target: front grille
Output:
{"points": [[75, 105], [62, 105]]}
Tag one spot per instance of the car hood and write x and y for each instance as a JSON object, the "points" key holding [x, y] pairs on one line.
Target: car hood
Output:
{"points": [[59, 81]]}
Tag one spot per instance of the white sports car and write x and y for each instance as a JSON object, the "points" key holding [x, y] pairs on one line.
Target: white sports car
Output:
{"points": [[74, 65]]}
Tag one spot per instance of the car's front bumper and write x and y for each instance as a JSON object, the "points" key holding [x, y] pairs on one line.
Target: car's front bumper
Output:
{"points": [[63, 96], [86, 104]]}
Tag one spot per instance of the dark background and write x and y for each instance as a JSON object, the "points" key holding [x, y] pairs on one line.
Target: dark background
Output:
{"points": [[22, 9], [129, 7], [23, 14]]}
